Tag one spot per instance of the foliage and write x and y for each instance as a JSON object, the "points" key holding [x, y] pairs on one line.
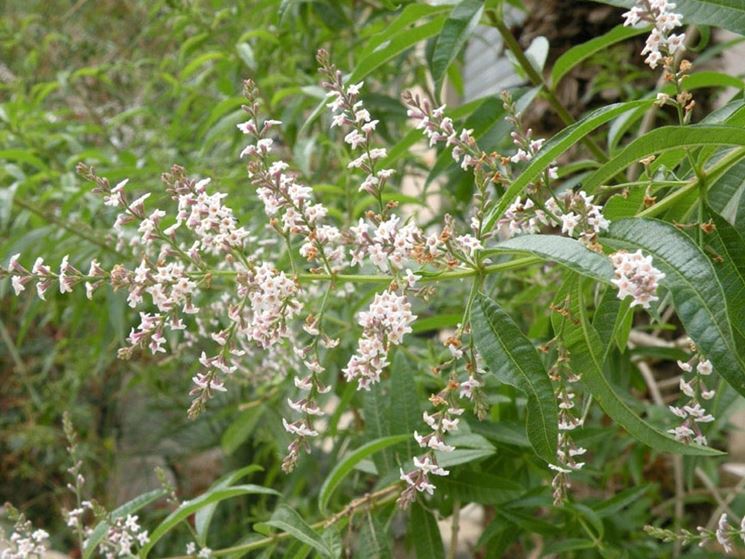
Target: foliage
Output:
{"points": [[453, 313]]}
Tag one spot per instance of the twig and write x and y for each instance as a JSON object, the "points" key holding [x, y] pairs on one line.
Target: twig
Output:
{"points": [[64, 225], [537, 79], [454, 529]]}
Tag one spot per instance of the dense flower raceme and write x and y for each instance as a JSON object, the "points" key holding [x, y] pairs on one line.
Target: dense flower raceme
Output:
{"points": [[660, 42], [25, 542], [567, 452], [692, 414], [635, 276], [182, 254], [724, 535]]}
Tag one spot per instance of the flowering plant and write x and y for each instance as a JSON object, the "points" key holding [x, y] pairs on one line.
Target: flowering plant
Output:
{"points": [[503, 352]]}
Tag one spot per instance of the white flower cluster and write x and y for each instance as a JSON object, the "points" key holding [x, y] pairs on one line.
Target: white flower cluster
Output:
{"points": [[384, 325], [660, 42], [212, 222], [567, 450], [440, 129], [574, 210], [635, 276], [528, 147], [388, 245], [441, 422], [692, 413], [723, 534], [289, 204], [203, 553], [349, 111], [123, 538], [523, 217], [26, 543], [44, 277], [579, 215]]}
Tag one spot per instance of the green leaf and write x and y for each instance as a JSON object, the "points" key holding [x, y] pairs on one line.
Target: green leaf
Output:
{"points": [[345, 466], [190, 507], [373, 539], [479, 487], [246, 54], [620, 501], [612, 320], [555, 147], [697, 294], [376, 410], [729, 262], [584, 347], [394, 46], [563, 250], [424, 531], [22, 156], [99, 532], [288, 520], [240, 429], [436, 322], [727, 14], [579, 53], [203, 518], [408, 16], [665, 139], [727, 196], [404, 412], [512, 358], [455, 32]]}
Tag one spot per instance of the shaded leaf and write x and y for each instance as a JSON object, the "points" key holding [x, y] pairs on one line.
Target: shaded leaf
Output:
{"points": [[512, 358]]}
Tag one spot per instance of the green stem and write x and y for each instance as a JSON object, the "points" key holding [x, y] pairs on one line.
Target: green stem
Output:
{"points": [[363, 504], [714, 172], [537, 79], [64, 225], [515, 264]]}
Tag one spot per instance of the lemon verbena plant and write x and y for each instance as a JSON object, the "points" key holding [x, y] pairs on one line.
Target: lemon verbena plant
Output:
{"points": [[554, 350]]}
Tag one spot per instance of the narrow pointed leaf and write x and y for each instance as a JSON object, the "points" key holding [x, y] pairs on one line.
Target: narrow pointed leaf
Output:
{"points": [[424, 531], [563, 250], [456, 30], [584, 347], [203, 517], [512, 358], [729, 263], [696, 292], [345, 466], [190, 507], [288, 520], [662, 140], [579, 53]]}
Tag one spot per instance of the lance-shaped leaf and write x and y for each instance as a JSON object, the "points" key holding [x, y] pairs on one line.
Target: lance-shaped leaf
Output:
{"points": [[288, 520], [458, 27], [190, 507], [425, 533], [563, 250], [512, 358], [578, 53], [664, 139], [343, 468], [696, 292], [585, 350], [729, 262]]}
